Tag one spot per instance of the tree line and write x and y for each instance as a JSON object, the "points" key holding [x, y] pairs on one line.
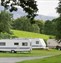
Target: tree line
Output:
{"points": [[7, 23], [48, 27], [44, 27], [23, 23]]}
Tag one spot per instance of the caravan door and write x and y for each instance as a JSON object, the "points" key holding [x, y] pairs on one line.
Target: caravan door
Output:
{"points": [[17, 47]]}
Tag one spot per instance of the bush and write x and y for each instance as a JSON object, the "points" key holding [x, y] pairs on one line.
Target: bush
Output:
{"points": [[6, 36], [35, 28]]}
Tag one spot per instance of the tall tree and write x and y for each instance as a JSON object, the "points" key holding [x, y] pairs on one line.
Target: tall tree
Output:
{"points": [[58, 35], [28, 5], [54, 26], [22, 24], [5, 21], [59, 8], [35, 28], [48, 27], [40, 23]]}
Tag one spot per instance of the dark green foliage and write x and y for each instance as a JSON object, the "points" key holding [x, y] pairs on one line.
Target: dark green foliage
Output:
{"points": [[24, 24], [7, 35], [4, 35], [48, 28], [29, 6], [58, 34], [59, 8], [5, 21], [40, 23], [54, 24], [35, 28]]}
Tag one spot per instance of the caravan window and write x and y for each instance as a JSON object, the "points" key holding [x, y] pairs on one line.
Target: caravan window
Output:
{"points": [[16, 43], [37, 42], [24, 44], [2, 44]]}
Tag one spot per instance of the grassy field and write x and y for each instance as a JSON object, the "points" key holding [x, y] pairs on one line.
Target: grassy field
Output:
{"points": [[24, 34], [55, 59], [33, 53]]}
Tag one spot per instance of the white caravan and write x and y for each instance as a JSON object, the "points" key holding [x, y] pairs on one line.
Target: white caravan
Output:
{"points": [[52, 43], [14, 45], [38, 43]]}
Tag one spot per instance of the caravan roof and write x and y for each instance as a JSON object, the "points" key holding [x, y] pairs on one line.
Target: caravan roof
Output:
{"points": [[4, 40]]}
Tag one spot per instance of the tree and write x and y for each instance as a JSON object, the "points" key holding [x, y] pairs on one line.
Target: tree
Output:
{"points": [[59, 8], [40, 23], [58, 24], [28, 5], [54, 26], [35, 28], [22, 23], [48, 28], [5, 21], [58, 34]]}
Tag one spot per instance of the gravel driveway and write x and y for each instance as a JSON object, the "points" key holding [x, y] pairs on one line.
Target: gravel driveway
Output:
{"points": [[17, 59]]}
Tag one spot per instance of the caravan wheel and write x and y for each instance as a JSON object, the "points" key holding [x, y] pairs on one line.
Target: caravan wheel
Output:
{"points": [[12, 51], [58, 48]]}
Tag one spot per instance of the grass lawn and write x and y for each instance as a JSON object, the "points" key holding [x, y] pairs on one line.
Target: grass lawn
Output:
{"points": [[55, 59], [24, 34], [33, 53]]}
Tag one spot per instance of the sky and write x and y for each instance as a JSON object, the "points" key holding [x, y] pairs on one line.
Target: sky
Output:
{"points": [[47, 7]]}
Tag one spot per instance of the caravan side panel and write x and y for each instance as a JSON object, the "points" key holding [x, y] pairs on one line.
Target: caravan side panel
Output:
{"points": [[15, 45], [38, 43]]}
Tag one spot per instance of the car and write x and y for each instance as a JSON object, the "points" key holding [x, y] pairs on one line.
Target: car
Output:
{"points": [[58, 47]]}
